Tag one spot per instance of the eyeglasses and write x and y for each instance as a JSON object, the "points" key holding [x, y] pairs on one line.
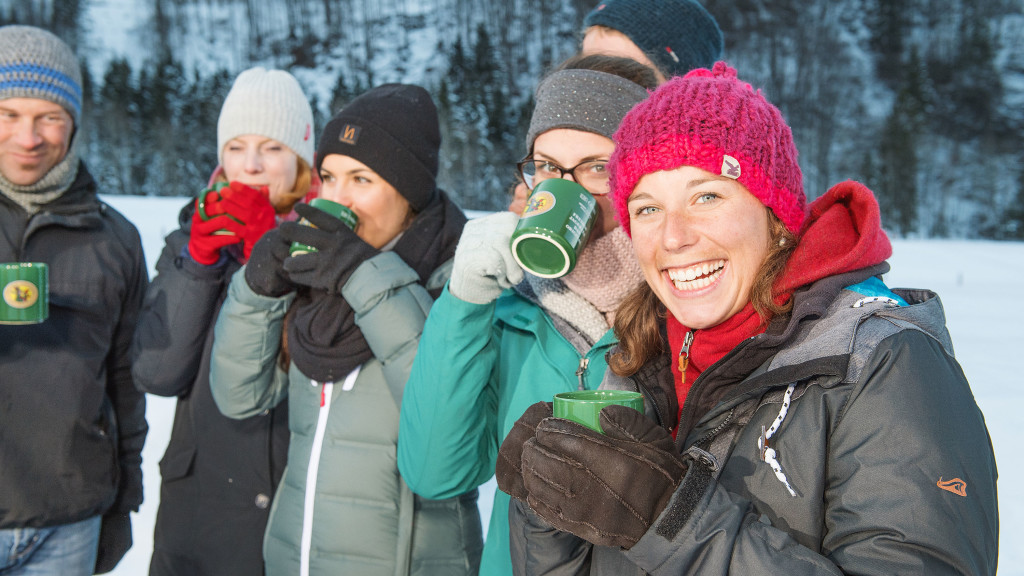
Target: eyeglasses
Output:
{"points": [[591, 174]]}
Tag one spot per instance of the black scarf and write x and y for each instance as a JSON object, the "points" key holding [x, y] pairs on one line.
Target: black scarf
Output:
{"points": [[323, 339]]}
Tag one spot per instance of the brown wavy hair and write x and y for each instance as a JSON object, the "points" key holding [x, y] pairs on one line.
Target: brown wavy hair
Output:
{"points": [[641, 315]]}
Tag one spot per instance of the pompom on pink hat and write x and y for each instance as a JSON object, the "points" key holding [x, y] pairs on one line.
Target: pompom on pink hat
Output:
{"points": [[711, 120]]}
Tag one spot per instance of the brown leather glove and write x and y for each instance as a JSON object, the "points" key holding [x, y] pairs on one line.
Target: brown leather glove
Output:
{"points": [[509, 469], [607, 489]]}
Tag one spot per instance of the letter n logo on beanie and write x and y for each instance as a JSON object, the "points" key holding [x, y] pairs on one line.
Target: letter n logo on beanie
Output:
{"points": [[349, 134]]}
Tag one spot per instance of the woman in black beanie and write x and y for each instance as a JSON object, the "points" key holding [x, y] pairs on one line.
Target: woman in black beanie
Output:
{"points": [[335, 330]]}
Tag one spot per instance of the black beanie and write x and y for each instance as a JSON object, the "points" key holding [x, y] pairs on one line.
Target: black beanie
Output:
{"points": [[393, 129]]}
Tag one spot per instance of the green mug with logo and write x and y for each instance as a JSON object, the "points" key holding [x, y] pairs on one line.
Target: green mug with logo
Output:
{"points": [[339, 211], [554, 227], [584, 406], [25, 289], [201, 207]]}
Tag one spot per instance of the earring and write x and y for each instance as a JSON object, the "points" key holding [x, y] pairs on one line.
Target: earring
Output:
{"points": [[782, 241]]}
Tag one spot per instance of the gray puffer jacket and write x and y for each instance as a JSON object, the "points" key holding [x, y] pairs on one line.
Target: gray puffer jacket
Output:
{"points": [[879, 460], [342, 507]]}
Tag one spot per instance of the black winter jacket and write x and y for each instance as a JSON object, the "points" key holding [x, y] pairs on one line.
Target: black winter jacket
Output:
{"points": [[218, 474], [72, 424], [882, 443]]}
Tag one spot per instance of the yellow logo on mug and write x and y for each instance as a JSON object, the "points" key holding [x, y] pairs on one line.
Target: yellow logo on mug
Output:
{"points": [[21, 294], [539, 203]]}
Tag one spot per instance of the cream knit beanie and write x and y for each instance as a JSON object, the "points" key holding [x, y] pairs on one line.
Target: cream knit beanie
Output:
{"points": [[268, 103]]}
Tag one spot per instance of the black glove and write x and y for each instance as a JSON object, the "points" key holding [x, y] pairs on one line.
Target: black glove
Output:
{"points": [[264, 272], [509, 469], [605, 488], [115, 540], [338, 250]]}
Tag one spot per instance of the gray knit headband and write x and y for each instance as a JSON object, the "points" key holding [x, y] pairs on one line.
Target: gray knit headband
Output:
{"points": [[585, 100]]}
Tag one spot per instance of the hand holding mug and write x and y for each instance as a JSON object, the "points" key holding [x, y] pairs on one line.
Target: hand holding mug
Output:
{"points": [[226, 214]]}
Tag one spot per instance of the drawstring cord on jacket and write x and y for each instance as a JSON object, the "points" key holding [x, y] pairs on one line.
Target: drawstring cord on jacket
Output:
{"points": [[768, 455]]}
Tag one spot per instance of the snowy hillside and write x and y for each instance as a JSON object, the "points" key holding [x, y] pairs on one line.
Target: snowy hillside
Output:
{"points": [[919, 99]]}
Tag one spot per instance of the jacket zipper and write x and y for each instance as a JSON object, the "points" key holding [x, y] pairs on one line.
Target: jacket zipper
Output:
{"points": [[581, 371], [313, 467], [684, 354], [697, 387]]}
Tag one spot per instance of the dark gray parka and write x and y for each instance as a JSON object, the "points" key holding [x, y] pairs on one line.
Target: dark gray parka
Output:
{"points": [[218, 474], [876, 432], [72, 424]]}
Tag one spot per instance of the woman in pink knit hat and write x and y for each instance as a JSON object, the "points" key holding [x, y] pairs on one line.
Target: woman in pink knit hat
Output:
{"points": [[800, 416]]}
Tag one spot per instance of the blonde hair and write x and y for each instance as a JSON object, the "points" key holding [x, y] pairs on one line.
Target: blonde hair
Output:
{"points": [[641, 315]]}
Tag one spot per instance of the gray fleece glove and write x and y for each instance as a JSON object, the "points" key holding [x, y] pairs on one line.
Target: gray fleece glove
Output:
{"points": [[484, 265]]}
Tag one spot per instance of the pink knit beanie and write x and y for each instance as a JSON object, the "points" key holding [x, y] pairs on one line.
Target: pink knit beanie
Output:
{"points": [[711, 120]]}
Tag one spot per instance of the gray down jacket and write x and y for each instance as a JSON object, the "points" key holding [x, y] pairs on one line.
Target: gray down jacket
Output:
{"points": [[342, 507]]}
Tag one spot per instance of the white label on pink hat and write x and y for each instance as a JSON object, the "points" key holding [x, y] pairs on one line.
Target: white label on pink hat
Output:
{"points": [[730, 167]]}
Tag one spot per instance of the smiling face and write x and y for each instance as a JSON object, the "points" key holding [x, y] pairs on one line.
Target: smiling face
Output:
{"points": [[383, 212], [567, 148], [260, 161], [701, 240], [34, 137]]}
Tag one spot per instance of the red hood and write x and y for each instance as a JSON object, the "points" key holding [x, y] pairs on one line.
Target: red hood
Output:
{"points": [[842, 233]]}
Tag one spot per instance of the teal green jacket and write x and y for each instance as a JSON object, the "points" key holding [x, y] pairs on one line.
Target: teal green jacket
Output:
{"points": [[479, 367]]}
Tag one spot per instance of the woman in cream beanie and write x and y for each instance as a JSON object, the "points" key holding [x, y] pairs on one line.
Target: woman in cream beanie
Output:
{"points": [[219, 475]]}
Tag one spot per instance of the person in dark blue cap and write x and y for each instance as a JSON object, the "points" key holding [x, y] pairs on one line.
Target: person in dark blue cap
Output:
{"points": [[671, 36]]}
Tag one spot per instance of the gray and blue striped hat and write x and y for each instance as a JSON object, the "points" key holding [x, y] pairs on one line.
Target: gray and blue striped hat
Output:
{"points": [[35, 63]]}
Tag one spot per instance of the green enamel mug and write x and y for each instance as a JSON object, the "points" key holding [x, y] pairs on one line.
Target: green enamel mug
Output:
{"points": [[339, 211], [554, 227], [204, 215], [26, 292], [584, 406]]}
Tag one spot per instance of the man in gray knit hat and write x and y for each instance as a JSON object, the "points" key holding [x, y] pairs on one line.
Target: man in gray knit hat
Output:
{"points": [[72, 424]]}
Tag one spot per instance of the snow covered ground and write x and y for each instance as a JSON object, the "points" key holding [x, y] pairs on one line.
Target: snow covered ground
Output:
{"points": [[981, 285]]}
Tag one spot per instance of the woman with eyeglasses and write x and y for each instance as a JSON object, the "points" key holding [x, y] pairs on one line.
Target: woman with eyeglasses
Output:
{"points": [[497, 339]]}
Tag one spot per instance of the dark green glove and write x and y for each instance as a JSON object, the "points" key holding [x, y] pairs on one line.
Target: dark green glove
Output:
{"points": [[605, 488], [339, 251], [264, 272], [509, 469], [115, 540]]}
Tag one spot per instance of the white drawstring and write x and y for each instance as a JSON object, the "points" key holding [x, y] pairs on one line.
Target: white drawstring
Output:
{"points": [[768, 455], [872, 299]]}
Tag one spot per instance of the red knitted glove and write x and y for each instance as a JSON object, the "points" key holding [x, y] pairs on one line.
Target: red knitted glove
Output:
{"points": [[228, 214], [252, 206], [219, 229]]}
